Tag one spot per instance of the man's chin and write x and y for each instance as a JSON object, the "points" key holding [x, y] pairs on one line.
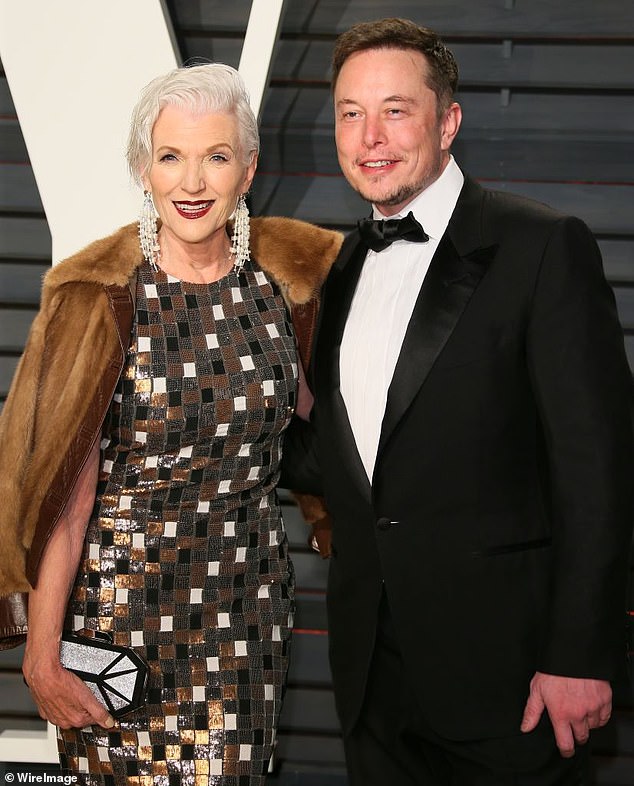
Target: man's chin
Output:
{"points": [[390, 200]]}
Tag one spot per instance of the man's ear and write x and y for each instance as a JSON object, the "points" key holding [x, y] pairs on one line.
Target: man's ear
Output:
{"points": [[450, 125]]}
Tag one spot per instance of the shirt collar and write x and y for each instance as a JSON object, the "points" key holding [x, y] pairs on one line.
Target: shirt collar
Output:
{"points": [[434, 206]]}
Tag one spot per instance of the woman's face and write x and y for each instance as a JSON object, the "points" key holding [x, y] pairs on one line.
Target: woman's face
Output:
{"points": [[197, 173]]}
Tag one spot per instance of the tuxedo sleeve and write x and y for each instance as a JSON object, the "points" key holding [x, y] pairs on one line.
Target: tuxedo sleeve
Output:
{"points": [[583, 388], [300, 466]]}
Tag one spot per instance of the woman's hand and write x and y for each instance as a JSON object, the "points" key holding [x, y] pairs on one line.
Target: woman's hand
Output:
{"points": [[61, 697], [320, 540]]}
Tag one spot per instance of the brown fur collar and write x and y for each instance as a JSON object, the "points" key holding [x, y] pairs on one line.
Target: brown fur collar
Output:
{"points": [[47, 402], [296, 254]]}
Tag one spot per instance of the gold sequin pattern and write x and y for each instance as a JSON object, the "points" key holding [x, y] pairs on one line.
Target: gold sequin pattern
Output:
{"points": [[186, 556]]}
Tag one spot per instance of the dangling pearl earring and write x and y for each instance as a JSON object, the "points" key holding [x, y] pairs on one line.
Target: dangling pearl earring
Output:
{"points": [[148, 233], [241, 231]]}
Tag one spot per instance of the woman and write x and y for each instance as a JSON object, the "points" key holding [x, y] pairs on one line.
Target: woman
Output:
{"points": [[141, 443]]}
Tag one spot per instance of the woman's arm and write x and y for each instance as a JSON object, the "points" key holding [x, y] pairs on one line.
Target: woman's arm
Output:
{"points": [[313, 508], [61, 697]]}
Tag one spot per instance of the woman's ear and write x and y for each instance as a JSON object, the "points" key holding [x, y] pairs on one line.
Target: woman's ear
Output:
{"points": [[144, 179], [250, 173]]}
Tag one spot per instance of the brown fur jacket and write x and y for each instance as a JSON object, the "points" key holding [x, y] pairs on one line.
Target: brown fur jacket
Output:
{"points": [[76, 333]]}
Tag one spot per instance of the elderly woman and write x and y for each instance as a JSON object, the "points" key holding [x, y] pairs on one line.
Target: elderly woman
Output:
{"points": [[140, 448]]}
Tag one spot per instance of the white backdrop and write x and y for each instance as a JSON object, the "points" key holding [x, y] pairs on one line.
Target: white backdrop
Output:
{"points": [[75, 69]]}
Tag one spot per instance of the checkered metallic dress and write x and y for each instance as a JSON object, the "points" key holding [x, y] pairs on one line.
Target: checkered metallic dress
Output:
{"points": [[186, 556]]}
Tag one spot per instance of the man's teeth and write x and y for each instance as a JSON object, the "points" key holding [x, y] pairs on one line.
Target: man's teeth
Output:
{"points": [[377, 163]]}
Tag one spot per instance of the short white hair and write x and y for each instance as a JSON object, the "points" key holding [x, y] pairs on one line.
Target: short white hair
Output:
{"points": [[210, 87]]}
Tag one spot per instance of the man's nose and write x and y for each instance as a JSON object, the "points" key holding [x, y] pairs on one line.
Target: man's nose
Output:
{"points": [[373, 132]]}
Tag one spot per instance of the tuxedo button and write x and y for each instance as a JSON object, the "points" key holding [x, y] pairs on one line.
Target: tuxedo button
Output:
{"points": [[384, 523]]}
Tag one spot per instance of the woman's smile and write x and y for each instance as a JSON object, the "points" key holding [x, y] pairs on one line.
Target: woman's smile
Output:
{"points": [[193, 210]]}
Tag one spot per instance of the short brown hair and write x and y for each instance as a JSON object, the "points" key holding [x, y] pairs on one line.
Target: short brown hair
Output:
{"points": [[395, 33]]}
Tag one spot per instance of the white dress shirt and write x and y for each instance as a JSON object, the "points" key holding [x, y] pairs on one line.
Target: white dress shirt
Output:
{"points": [[382, 308]]}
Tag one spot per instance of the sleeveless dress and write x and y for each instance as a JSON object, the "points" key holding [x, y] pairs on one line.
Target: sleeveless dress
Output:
{"points": [[185, 557]]}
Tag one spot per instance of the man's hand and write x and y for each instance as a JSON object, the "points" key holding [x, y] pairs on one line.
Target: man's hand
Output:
{"points": [[574, 705]]}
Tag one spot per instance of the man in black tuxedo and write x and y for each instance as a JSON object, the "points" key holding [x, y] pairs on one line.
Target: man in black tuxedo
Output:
{"points": [[472, 436]]}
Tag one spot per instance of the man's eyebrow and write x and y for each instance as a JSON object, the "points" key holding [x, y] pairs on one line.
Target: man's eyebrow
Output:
{"points": [[400, 99], [388, 99]]}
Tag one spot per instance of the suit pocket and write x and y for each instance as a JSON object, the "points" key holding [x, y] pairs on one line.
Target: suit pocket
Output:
{"points": [[481, 350], [512, 548]]}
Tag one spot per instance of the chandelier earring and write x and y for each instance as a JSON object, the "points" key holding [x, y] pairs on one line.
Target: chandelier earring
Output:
{"points": [[241, 231], [148, 232]]}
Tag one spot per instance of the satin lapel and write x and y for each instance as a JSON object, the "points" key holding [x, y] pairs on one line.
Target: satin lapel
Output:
{"points": [[449, 284], [335, 305]]}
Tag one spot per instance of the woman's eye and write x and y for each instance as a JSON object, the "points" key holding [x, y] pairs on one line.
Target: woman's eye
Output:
{"points": [[219, 158], [168, 157]]}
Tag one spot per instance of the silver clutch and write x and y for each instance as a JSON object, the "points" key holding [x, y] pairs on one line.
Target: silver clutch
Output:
{"points": [[116, 675]]}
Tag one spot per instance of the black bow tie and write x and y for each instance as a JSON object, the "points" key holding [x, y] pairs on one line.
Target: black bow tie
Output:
{"points": [[378, 235]]}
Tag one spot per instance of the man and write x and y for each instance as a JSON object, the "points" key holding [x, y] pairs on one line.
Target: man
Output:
{"points": [[472, 436]]}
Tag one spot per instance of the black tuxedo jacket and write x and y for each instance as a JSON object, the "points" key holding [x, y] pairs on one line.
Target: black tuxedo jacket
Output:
{"points": [[499, 515]]}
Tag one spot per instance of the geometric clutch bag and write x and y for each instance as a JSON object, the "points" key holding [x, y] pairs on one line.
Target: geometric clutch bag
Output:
{"points": [[116, 675]]}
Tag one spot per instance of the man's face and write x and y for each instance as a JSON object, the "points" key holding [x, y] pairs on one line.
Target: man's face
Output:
{"points": [[390, 143]]}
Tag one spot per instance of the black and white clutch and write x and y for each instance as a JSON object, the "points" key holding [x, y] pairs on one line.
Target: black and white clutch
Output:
{"points": [[116, 675]]}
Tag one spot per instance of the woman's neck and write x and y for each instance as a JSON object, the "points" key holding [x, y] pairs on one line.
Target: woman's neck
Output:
{"points": [[198, 263]]}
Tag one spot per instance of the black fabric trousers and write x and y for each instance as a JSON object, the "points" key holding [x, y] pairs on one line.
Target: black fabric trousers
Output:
{"points": [[391, 744]]}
